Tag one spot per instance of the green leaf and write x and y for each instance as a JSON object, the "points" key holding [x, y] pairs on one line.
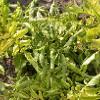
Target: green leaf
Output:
{"points": [[20, 33], [2, 86], [88, 61], [4, 45], [95, 81], [42, 58], [71, 40], [33, 62], [20, 62], [21, 94], [2, 71]]}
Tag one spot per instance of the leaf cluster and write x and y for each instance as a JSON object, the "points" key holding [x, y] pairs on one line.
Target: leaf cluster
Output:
{"points": [[56, 55]]}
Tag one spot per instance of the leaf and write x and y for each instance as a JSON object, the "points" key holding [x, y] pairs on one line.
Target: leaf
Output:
{"points": [[21, 94], [41, 95], [20, 33], [65, 84], [71, 40], [33, 62], [15, 50], [92, 33], [4, 45], [2, 71], [12, 27], [89, 97], [52, 58], [95, 81], [88, 61], [2, 86], [95, 44], [19, 61], [34, 94], [72, 66], [42, 58], [22, 83]]}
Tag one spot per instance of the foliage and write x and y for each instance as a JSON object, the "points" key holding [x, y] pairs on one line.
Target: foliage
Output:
{"points": [[62, 49]]}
